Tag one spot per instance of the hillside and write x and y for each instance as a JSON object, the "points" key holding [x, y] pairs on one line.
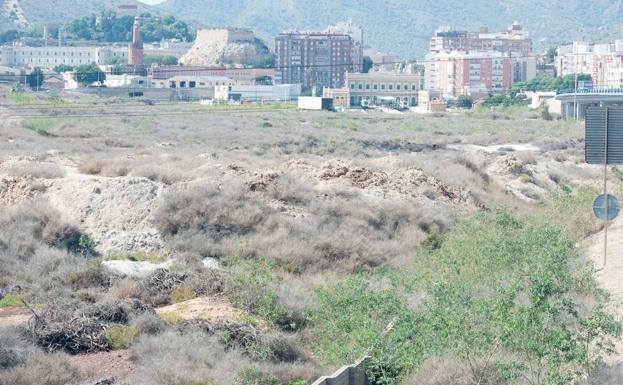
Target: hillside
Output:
{"points": [[26, 13], [404, 26]]}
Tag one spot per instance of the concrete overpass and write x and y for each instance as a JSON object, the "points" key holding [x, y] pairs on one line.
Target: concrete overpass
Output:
{"points": [[575, 102]]}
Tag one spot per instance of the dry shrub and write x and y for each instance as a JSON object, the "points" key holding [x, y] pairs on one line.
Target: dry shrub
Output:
{"points": [[149, 323], [126, 288], [39, 252], [208, 219], [49, 369], [446, 371], [37, 170], [91, 168], [163, 173], [14, 348], [181, 294], [176, 358], [609, 375]]}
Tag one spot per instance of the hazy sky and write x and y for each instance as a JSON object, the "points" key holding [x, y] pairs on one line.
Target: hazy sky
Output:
{"points": [[151, 1]]}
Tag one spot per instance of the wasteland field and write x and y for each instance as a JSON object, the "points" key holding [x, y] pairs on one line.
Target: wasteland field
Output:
{"points": [[161, 243]]}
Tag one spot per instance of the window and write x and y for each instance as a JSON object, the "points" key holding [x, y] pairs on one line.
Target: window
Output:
{"points": [[397, 87], [413, 87], [360, 86], [183, 84], [192, 84], [390, 87], [367, 86], [375, 86], [382, 86], [352, 86]]}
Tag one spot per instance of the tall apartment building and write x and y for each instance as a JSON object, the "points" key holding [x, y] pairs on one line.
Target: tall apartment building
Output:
{"points": [[356, 33], [604, 62], [314, 58], [478, 63], [475, 73], [515, 39], [49, 57]]}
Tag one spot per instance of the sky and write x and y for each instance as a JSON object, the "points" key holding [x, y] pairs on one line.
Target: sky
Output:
{"points": [[151, 1]]}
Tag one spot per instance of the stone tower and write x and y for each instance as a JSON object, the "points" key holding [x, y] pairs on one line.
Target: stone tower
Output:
{"points": [[135, 51]]}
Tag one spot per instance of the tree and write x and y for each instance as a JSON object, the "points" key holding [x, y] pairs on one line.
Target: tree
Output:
{"points": [[464, 101], [87, 74], [35, 79], [63, 68], [160, 59], [551, 54], [367, 64], [115, 60]]}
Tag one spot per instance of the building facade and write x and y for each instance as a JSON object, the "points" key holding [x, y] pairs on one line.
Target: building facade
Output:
{"points": [[248, 76], [478, 64], [313, 58], [515, 39], [604, 62], [356, 33], [49, 57], [377, 86]]}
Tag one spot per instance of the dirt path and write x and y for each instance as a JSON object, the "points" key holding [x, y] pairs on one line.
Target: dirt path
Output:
{"points": [[610, 277]]}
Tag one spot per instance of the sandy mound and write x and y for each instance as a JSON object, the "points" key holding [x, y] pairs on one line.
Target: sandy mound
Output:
{"points": [[115, 212], [209, 309], [15, 189]]}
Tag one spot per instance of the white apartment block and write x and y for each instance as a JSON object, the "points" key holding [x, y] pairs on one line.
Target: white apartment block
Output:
{"points": [[49, 57]]}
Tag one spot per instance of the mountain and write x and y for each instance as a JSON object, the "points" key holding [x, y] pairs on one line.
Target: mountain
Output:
{"points": [[22, 14], [404, 27]]}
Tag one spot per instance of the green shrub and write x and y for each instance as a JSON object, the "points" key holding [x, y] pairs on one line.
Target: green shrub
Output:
{"points": [[502, 295], [121, 336], [11, 300]]}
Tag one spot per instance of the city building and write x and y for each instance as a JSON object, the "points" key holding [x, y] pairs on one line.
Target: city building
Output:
{"points": [[135, 48], [478, 64], [604, 62], [314, 58], [356, 33], [258, 93], [189, 81], [49, 57], [340, 96], [514, 40], [377, 86], [242, 76], [381, 61]]}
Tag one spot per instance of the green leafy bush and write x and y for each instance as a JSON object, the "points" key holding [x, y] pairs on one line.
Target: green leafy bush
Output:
{"points": [[121, 336]]}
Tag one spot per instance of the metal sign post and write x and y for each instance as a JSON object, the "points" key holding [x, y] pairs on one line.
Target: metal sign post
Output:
{"points": [[606, 187], [604, 146]]}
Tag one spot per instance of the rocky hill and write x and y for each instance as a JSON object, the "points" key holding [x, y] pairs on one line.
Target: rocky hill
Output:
{"points": [[225, 46], [404, 26], [30, 13]]}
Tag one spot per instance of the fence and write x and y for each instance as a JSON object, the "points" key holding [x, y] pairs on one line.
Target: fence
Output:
{"points": [[347, 375]]}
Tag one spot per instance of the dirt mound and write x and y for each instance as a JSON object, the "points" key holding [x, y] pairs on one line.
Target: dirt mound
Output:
{"points": [[15, 189], [208, 309], [509, 165], [407, 181], [115, 212]]}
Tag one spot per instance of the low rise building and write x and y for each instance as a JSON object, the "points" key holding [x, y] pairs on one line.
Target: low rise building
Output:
{"points": [[340, 96], [242, 76], [187, 81], [374, 86], [49, 57], [258, 93]]}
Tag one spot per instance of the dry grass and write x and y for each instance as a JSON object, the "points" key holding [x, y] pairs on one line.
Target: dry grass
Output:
{"points": [[49, 369], [37, 170]]}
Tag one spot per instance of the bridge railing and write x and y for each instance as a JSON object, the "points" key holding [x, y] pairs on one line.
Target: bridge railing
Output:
{"points": [[591, 91]]}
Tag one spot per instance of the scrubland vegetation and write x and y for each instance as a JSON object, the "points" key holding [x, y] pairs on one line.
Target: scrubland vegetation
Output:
{"points": [[320, 237]]}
